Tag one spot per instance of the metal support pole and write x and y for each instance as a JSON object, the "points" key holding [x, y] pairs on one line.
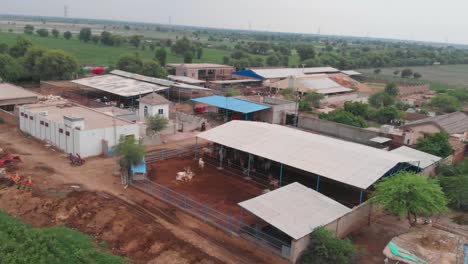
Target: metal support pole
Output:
{"points": [[196, 148], [361, 194], [318, 184], [281, 175], [248, 165], [221, 157]]}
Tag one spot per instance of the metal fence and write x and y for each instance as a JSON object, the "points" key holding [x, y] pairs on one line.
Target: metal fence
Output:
{"points": [[228, 223], [163, 154]]}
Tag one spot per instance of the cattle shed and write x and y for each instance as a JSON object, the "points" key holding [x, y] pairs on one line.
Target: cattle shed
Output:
{"points": [[282, 73], [232, 107], [330, 166], [296, 211]]}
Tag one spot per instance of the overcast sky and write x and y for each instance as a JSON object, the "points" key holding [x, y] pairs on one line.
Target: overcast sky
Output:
{"points": [[428, 20]]}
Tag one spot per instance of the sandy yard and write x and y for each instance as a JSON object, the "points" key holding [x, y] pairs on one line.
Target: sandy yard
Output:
{"points": [[132, 223]]}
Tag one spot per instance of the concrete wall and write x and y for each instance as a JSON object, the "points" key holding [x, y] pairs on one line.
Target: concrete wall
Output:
{"points": [[8, 117], [92, 139], [413, 133], [333, 99], [361, 216], [412, 89], [337, 130]]}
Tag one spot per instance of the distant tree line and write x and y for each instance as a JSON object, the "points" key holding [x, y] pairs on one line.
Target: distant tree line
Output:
{"points": [[22, 61]]}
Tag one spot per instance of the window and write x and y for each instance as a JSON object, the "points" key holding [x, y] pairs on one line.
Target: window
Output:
{"points": [[31, 118], [46, 124], [25, 115], [161, 111], [41, 123], [145, 111], [22, 114], [67, 133], [60, 130]]}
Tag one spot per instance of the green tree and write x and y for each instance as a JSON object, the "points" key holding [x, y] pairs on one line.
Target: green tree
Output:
{"points": [[273, 60], [305, 52], [135, 40], [396, 72], [313, 99], [130, 152], [199, 52], [42, 32], [357, 109], [445, 103], [130, 63], [377, 71], [188, 57], [56, 65], [67, 35], [153, 68], [410, 195], [107, 38], [381, 99], [417, 75], [406, 73], [3, 48], [55, 33], [95, 39], [117, 40], [152, 46], [10, 69], [85, 34], [226, 60], [157, 123], [436, 144], [288, 94], [386, 114], [20, 47], [31, 59], [343, 117], [326, 249], [29, 29], [233, 92], [456, 189], [161, 56], [392, 89]]}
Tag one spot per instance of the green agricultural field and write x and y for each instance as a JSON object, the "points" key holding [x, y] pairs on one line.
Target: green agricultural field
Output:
{"points": [[451, 75], [21, 243], [99, 55]]}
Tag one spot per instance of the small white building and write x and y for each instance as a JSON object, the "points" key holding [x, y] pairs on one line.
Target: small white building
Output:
{"points": [[154, 104], [74, 128]]}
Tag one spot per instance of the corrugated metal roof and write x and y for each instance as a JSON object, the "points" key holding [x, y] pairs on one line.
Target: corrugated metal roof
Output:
{"points": [[232, 104], [278, 73], [295, 209], [118, 85], [380, 140], [184, 79], [351, 73], [350, 163], [425, 159], [453, 123], [143, 78], [235, 81], [10, 91], [319, 83]]}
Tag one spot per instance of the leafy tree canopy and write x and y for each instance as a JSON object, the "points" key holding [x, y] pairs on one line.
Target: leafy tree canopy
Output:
{"points": [[381, 99], [435, 144], [445, 103], [411, 195], [392, 89], [344, 117], [130, 150]]}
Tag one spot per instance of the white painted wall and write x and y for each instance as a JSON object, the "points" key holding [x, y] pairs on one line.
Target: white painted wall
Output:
{"points": [[84, 142], [153, 110]]}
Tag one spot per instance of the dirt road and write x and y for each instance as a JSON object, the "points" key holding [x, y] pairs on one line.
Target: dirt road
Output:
{"points": [[130, 222]]}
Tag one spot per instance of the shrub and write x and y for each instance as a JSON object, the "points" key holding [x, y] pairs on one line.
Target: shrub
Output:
{"points": [[325, 249]]}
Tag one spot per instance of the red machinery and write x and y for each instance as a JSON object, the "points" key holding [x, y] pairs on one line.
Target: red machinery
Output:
{"points": [[9, 159]]}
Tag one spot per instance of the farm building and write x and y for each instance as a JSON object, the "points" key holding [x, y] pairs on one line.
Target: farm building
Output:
{"points": [[229, 108], [153, 104], [318, 83], [241, 83], [280, 110], [296, 211], [276, 74], [74, 128], [201, 71], [11, 95], [186, 80], [339, 169], [426, 162]]}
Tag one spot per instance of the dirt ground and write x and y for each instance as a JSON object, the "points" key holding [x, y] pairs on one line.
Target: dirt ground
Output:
{"points": [[132, 223], [210, 186]]}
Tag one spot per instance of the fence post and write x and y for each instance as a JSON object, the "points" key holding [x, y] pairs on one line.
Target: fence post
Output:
{"points": [[318, 184], [248, 165], [281, 175]]}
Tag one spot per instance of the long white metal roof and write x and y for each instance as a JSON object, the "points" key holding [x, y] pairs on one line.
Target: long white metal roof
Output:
{"points": [[295, 209], [119, 85], [350, 163], [425, 159], [143, 78], [286, 72], [184, 79]]}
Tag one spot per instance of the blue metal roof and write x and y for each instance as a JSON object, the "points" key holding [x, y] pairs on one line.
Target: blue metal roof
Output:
{"points": [[140, 168], [232, 104], [249, 73]]}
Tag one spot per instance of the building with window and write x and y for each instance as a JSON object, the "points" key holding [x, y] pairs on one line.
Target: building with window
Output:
{"points": [[201, 71], [153, 104], [73, 128]]}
